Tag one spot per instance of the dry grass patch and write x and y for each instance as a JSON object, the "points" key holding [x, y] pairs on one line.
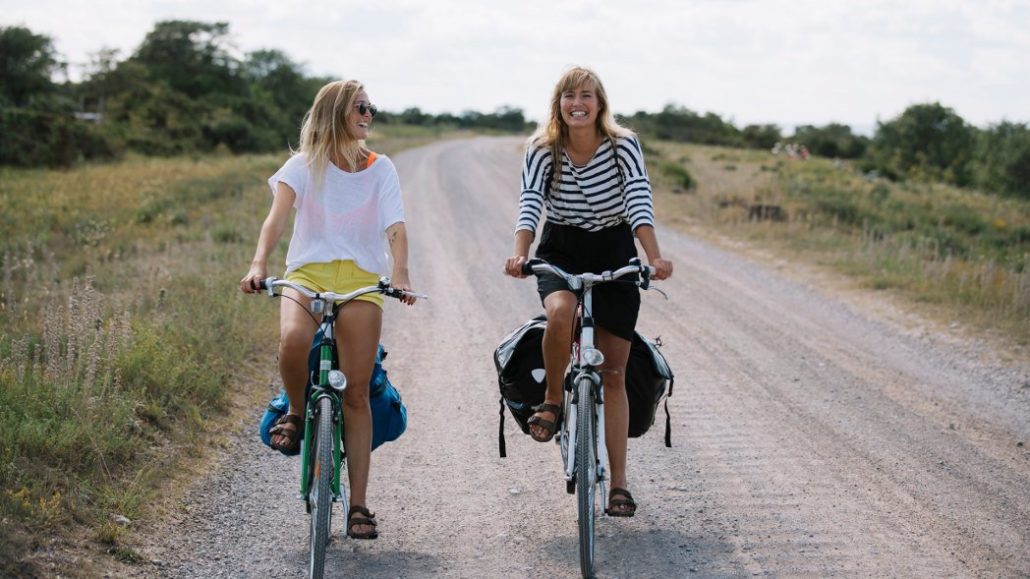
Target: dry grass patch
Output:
{"points": [[963, 253]]}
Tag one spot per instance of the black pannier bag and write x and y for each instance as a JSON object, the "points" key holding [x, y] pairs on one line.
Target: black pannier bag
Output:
{"points": [[648, 379], [520, 375]]}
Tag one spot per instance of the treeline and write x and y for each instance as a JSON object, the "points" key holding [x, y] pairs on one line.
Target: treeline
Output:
{"points": [[925, 142], [184, 91], [181, 91]]}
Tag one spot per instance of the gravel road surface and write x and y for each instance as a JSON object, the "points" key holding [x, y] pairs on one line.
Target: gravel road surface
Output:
{"points": [[809, 439]]}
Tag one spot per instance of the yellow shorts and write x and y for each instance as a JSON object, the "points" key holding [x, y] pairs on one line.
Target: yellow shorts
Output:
{"points": [[341, 276]]}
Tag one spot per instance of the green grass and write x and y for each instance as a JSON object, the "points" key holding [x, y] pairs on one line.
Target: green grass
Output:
{"points": [[122, 332], [966, 252]]}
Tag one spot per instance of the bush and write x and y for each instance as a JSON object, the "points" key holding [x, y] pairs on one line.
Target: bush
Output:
{"points": [[1001, 162], [926, 142], [679, 174], [47, 134]]}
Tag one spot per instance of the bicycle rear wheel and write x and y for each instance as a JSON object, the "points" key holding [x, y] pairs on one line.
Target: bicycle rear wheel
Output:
{"points": [[586, 473], [320, 497]]}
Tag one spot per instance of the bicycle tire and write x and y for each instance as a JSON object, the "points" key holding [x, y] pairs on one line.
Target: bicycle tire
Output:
{"points": [[320, 497], [586, 474]]}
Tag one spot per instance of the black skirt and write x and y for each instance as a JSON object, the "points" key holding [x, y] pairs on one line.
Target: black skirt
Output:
{"points": [[616, 304]]}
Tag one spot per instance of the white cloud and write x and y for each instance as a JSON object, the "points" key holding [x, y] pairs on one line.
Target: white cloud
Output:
{"points": [[801, 61]]}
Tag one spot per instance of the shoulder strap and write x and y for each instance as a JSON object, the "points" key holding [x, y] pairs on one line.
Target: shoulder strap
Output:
{"points": [[500, 432], [371, 159], [618, 167]]}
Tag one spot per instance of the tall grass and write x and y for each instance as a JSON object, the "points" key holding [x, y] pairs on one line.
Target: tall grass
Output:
{"points": [[122, 332], [964, 252]]}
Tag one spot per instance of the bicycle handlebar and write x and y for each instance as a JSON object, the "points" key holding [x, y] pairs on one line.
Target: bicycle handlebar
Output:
{"points": [[537, 266], [383, 287]]}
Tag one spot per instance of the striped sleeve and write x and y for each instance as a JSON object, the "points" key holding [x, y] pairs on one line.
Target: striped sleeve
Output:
{"points": [[535, 171], [639, 204]]}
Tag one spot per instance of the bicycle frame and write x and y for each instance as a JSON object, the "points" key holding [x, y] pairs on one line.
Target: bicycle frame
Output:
{"points": [[328, 305], [580, 369], [584, 381], [320, 388]]}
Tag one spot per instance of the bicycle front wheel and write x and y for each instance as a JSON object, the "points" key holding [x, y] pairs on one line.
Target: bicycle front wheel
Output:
{"points": [[586, 473], [320, 497]]}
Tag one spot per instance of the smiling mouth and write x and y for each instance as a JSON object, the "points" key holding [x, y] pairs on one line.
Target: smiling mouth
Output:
{"points": [[578, 114]]}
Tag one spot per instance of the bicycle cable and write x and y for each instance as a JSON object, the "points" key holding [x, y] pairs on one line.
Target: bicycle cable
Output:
{"points": [[306, 310]]}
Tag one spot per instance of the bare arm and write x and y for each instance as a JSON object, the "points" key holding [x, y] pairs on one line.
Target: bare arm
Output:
{"points": [[397, 237], [648, 240], [271, 231], [513, 265]]}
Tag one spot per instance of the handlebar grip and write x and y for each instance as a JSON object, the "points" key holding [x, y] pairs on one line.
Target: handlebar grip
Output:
{"points": [[262, 285], [527, 266]]}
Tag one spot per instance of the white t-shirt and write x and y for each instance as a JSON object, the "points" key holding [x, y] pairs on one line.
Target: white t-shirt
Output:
{"points": [[347, 218]]}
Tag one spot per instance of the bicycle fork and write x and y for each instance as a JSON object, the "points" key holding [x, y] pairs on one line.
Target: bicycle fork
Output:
{"points": [[571, 417]]}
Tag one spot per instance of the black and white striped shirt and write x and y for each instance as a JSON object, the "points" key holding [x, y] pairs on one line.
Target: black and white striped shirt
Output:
{"points": [[591, 197]]}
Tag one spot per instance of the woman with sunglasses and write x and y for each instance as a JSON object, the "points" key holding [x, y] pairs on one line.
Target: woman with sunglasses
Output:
{"points": [[348, 212], [588, 174]]}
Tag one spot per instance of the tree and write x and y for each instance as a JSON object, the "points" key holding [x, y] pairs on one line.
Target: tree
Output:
{"points": [[761, 136], [26, 62], [1001, 161], [192, 57], [833, 140], [926, 141]]}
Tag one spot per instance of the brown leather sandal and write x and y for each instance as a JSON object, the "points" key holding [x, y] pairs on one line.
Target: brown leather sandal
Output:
{"points": [[550, 426], [614, 505], [363, 518], [293, 436]]}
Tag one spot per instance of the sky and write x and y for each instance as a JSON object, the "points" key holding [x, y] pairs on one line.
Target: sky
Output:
{"points": [[789, 63]]}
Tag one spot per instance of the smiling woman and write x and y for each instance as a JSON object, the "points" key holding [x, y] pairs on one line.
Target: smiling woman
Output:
{"points": [[349, 208], [588, 174]]}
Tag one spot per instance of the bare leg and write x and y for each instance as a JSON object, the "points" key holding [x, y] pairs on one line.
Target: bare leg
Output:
{"points": [[616, 404], [296, 330], [357, 337], [557, 343]]}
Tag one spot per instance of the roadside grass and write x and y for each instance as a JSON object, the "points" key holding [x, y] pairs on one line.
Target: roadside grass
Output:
{"points": [[963, 254], [122, 333]]}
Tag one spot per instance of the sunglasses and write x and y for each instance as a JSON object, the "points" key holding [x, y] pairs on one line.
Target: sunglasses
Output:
{"points": [[364, 108]]}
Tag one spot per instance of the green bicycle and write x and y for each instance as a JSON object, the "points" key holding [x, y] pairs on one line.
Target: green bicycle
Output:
{"points": [[323, 462]]}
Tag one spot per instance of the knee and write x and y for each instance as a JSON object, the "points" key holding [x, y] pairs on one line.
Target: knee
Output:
{"points": [[294, 345], [614, 379], [559, 317], [356, 394]]}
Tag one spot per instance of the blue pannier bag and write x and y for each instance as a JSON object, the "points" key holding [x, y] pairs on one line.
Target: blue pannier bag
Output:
{"points": [[389, 415]]}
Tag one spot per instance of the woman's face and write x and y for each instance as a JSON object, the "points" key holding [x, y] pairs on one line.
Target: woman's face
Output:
{"points": [[357, 123], [579, 106]]}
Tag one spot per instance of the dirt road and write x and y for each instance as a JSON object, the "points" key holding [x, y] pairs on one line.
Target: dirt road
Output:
{"points": [[808, 439]]}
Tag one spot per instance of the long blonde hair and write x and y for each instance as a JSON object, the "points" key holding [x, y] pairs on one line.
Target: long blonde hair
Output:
{"points": [[325, 132], [554, 134]]}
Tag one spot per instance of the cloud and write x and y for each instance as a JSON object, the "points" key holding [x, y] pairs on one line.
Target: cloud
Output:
{"points": [[755, 61]]}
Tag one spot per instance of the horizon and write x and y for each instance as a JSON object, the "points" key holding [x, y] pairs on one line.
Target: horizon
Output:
{"points": [[851, 63]]}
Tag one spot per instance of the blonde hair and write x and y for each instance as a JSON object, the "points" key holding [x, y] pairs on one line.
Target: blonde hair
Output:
{"points": [[325, 134], [554, 134]]}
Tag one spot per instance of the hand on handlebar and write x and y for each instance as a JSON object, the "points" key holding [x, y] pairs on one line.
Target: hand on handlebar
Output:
{"points": [[401, 282], [663, 269], [513, 266], [250, 283]]}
